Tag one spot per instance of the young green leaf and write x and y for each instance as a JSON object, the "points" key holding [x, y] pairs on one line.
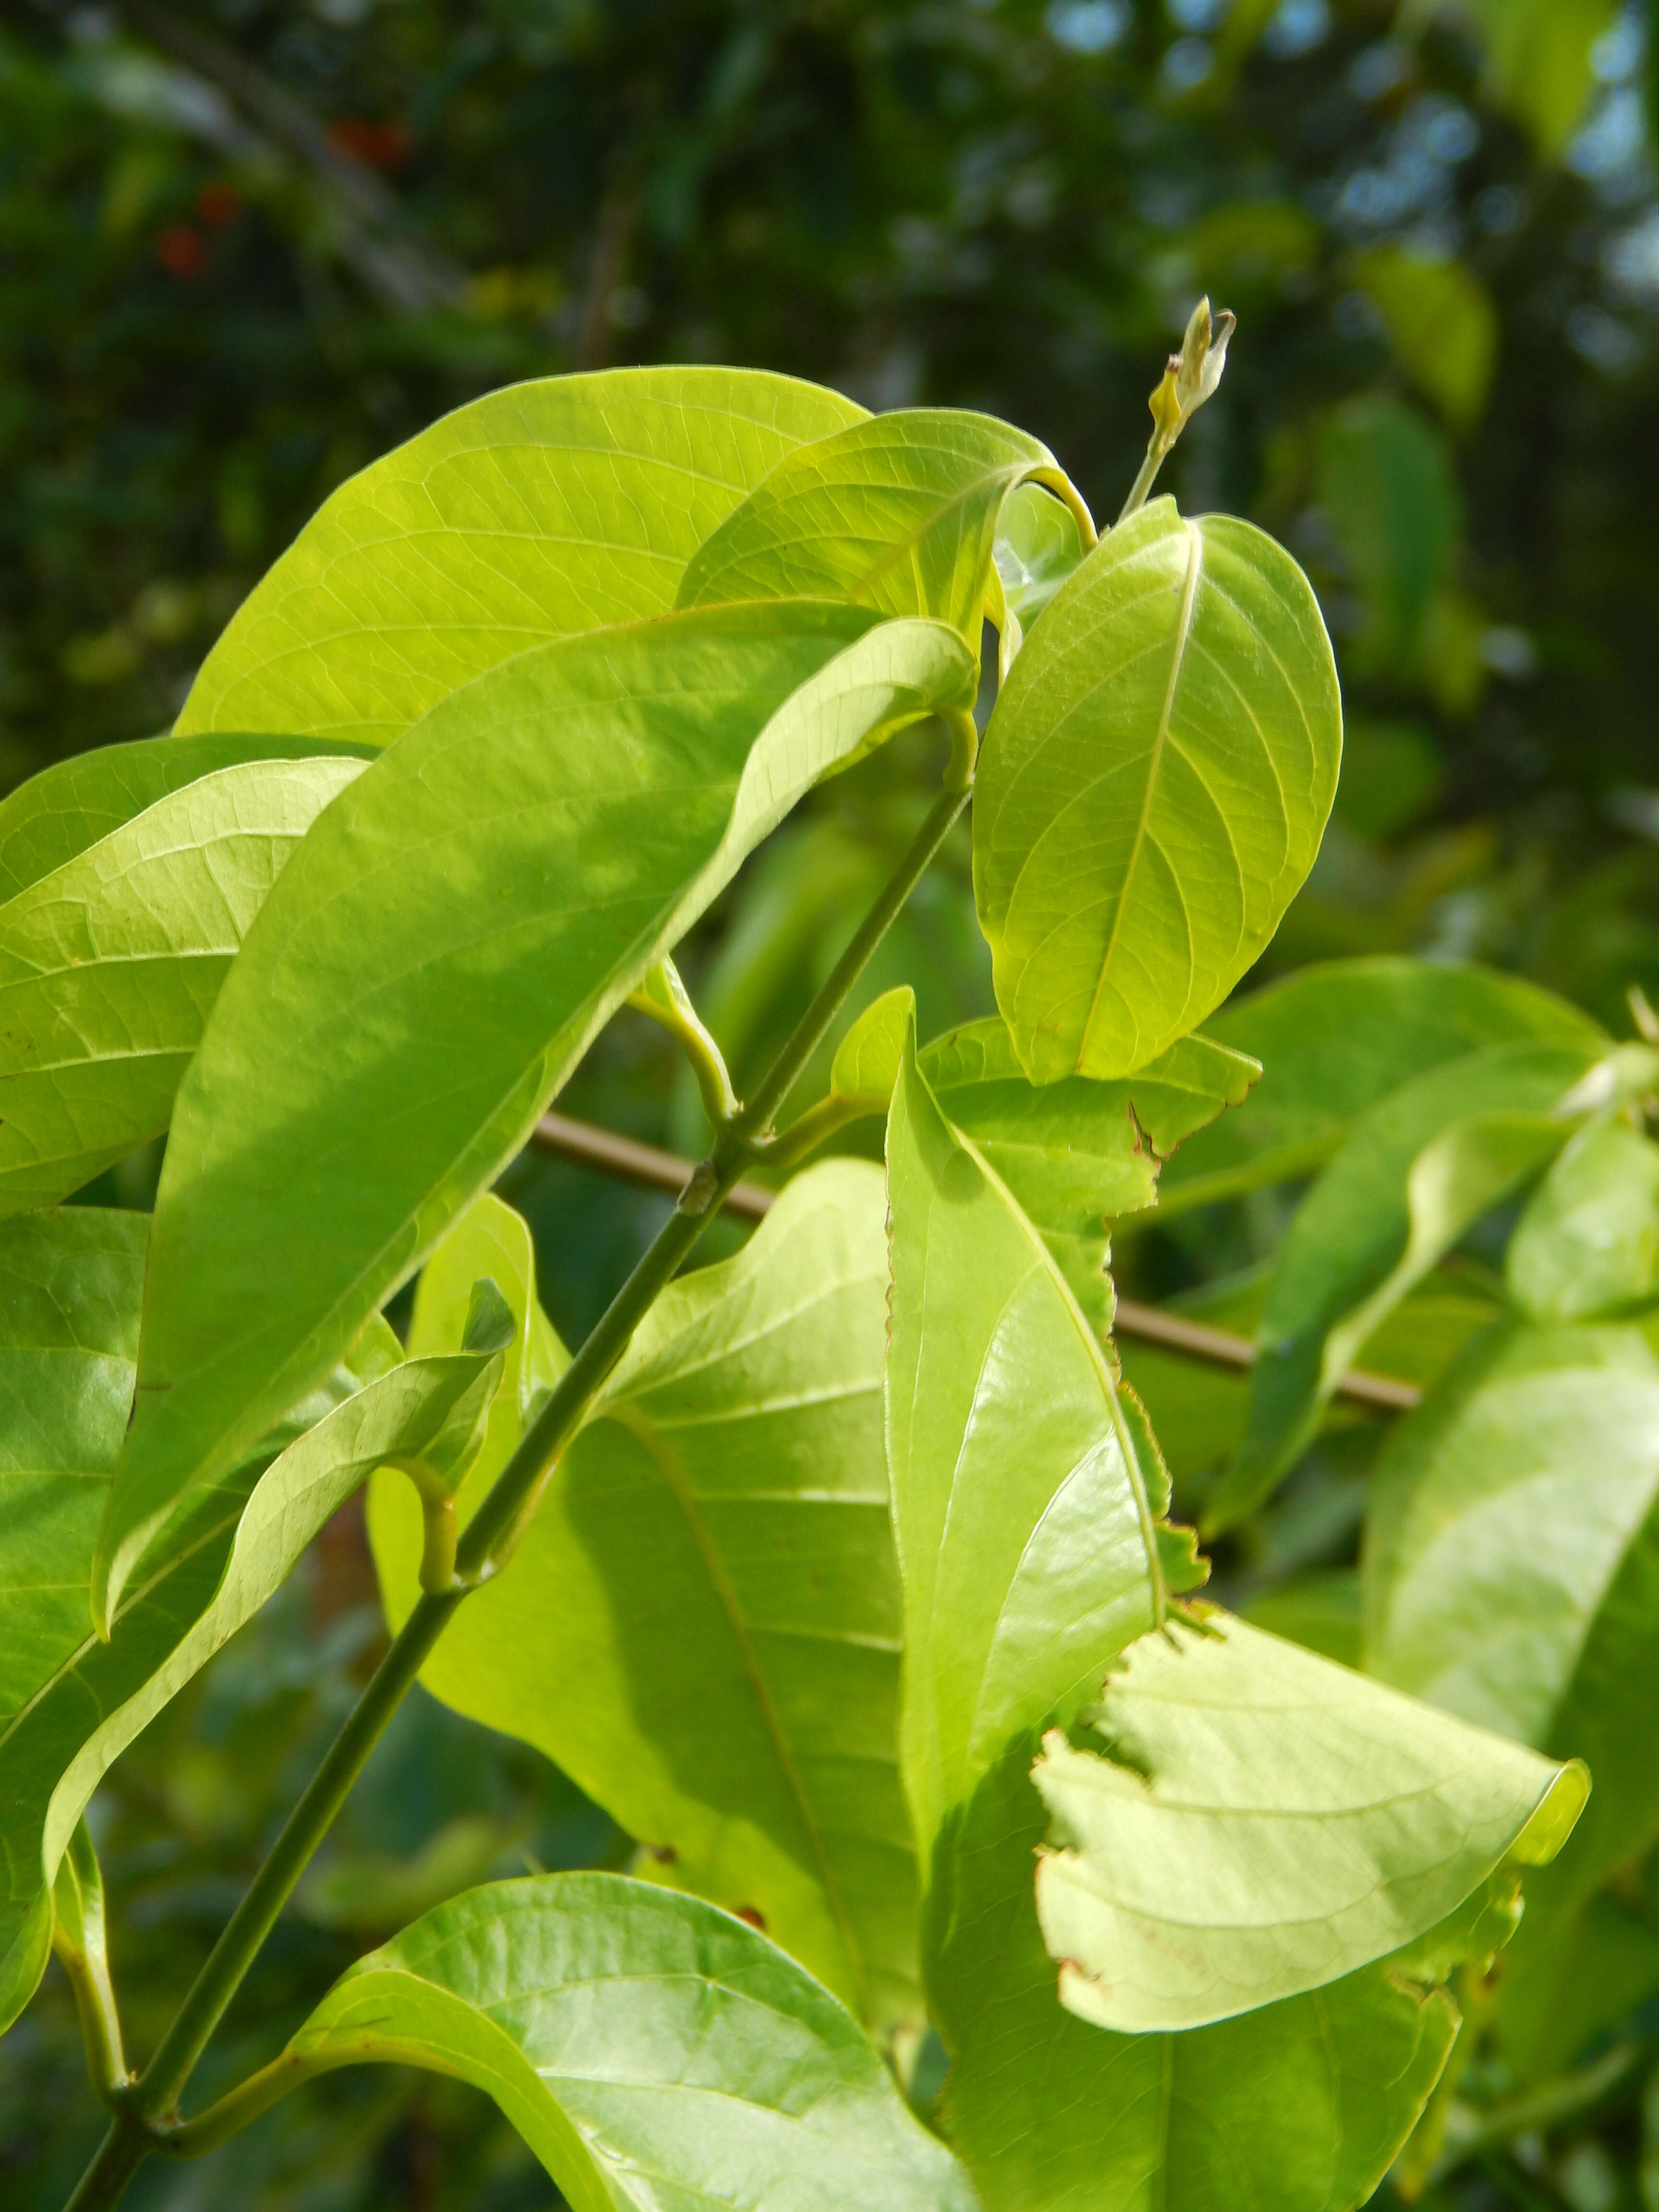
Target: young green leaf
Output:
{"points": [[1266, 1822], [899, 512], [72, 1703], [110, 964], [1026, 1567], [1038, 545], [1589, 1241], [57, 815], [535, 513], [1511, 1574], [1336, 1038], [652, 2051], [1415, 1172], [1152, 789], [701, 1624], [445, 946]]}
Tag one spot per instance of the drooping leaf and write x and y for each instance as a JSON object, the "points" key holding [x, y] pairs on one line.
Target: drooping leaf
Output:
{"points": [[1025, 1568], [1511, 1575], [110, 964], [1389, 490], [1442, 324], [1333, 1040], [1589, 1241], [1539, 58], [899, 512], [46, 822], [535, 513], [445, 946], [652, 2051], [701, 1624], [1415, 1172], [1152, 789], [1264, 1823], [72, 1703]]}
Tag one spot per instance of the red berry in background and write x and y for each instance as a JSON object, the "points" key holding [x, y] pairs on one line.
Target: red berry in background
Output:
{"points": [[218, 204], [182, 252], [378, 145]]}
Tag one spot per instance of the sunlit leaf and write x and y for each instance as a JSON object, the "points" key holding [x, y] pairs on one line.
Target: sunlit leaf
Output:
{"points": [[445, 946], [535, 513], [1416, 1172], [1152, 789], [653, 2051], [700, 1625], [110, 964], [1589, 1241], [1265, 1822], [899, 512], [1333, 1040]]}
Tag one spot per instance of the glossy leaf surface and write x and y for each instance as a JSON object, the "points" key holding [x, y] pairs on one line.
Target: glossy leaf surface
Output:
{"points": [[535, 513], [1415, 1173], [1333, 1040], [1152, 789], [700, 1625], [653, 2051], [1038, 545], [110, 964], [78, 1704], [1264, 1823], [899, 512], [441, 958]]}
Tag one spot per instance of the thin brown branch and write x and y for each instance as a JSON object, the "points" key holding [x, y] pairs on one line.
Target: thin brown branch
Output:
{"points": [[659, 1170]]}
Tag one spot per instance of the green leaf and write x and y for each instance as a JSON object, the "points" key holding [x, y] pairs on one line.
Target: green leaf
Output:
{"points": [[535, 513], [446, 943], [1416, 1172], [71, 1703], [1152, 789], [1264, 1823], [1038, 545], [1335, 1038], [46, 822], [1025, 1569], [1077, 1155], [110, 964], [701, 1624], [1511, 1572], [899, 512], [652, 2051], [1441, 323], [1589, 1241], [1388, 487], [1539, 59]]}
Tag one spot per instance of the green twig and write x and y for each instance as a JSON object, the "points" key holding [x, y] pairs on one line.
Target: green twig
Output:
{"points": [[147, 2118]]}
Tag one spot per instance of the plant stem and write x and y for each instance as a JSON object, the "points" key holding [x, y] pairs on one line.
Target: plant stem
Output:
{"points": [[145, 2122], [1144, 479]]}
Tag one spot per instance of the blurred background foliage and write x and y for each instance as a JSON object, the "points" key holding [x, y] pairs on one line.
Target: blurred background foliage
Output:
{"points": [[246, 245]]}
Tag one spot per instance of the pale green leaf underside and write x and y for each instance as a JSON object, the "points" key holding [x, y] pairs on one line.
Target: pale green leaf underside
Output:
{"points": [[1038, 545], [899, 512], [1334, 1039], [1415, 1171], [537, 513], [653, 2051], [1267, 1822], [110, 964], [1025, 1525], [701, 1623], [435, 960], [1152, 789], [1589, 1241]]}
